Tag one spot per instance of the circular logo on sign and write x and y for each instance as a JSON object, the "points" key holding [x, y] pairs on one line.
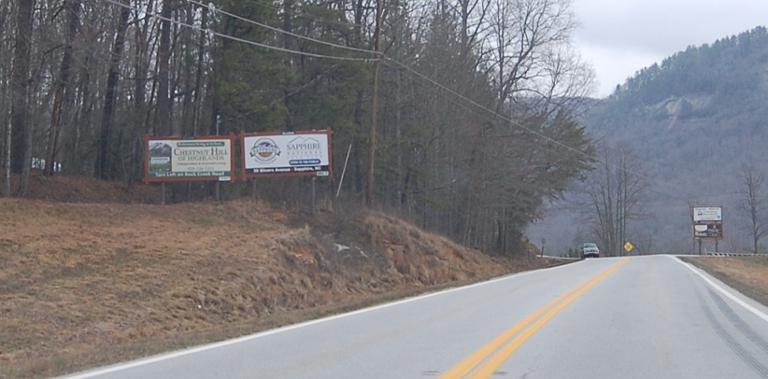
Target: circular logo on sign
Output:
{"points": [[265, 150]]}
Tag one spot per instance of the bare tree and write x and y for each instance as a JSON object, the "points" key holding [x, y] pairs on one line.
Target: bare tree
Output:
{"points": [[614, 190], [753, 202], [525, 34], [62, 91]]}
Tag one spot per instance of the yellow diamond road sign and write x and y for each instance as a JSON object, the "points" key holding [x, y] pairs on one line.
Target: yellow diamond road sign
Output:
{"points": [[629, 247]]}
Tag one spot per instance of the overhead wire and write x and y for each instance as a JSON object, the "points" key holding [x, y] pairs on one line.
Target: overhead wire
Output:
{"points": [[278, 30], [242, 40], [270, 6]]}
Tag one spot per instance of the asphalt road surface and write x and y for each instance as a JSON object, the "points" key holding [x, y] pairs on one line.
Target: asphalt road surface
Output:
{"points": [[640, 317]]}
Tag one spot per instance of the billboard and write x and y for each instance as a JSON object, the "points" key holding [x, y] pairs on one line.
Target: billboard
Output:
{"points": [[707, 214], [707, 222], [287, 154], [200, 159]]}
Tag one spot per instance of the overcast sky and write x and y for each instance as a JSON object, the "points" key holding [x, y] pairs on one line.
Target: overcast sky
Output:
{"points": [[619, 37]]}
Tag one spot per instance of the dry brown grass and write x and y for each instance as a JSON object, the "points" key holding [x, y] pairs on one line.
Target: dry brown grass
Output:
{"points": [[74, 189], [746, 274], [88, 284]]}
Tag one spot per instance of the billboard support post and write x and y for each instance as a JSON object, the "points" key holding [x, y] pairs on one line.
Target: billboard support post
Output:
{"points": [[693, 247], [314, 194]]}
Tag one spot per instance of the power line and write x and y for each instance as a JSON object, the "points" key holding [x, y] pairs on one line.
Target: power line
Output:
{"points": [[301, 15], [242, 40], [388, 59], [272, 28], [482, 107], [423, 76]]}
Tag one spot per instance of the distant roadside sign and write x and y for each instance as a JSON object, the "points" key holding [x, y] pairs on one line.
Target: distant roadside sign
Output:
{"points": [[287, 154], [707, 222], [707, 214], [200, 159], [628, 247]]}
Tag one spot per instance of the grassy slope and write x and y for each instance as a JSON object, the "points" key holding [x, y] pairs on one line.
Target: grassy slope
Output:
{"points": [[85, 284]]}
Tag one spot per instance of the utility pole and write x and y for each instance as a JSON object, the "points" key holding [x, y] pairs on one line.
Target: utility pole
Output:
{"points": [[374, 101]]}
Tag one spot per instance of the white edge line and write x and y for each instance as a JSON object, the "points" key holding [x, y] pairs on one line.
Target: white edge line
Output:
{"points": [[214, 345], [723, 291]]}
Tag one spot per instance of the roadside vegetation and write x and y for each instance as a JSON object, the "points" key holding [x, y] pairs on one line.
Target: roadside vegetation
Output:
{"points": [[747, 274], [469, 148], [100, 281]]}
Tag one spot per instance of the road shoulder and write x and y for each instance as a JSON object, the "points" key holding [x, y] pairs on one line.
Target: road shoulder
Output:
{"points": [[745, 280]]}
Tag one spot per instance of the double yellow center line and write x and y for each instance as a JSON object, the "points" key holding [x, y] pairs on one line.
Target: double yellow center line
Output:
{"points": [[488, 359]]}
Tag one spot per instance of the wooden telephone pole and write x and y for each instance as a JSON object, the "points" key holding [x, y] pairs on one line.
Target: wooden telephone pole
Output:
{"points": [[374, 101]]}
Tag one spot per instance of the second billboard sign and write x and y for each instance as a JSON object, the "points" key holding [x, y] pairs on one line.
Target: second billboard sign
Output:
{"points": [[286, 154]]}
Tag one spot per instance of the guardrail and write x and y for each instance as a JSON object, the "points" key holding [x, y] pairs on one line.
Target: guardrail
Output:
{"points": [[553, 257], [733, 255]]}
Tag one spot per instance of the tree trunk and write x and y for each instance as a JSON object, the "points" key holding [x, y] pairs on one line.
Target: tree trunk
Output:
{"points": [[19, 91], [7, 160], [163, 56], [187, 111], [103, 164], [62, 86], [141, 68], [6, 126], [199, 74]]}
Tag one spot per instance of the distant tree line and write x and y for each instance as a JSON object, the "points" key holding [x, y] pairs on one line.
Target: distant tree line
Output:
{"points": [[475, 121]]}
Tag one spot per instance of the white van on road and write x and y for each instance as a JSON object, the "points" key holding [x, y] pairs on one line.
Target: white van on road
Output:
{"points": [[590, 250]]}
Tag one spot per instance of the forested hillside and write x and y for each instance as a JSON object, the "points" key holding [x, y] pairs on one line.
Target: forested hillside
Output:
{"points": [[695, 121], [473, 106]]}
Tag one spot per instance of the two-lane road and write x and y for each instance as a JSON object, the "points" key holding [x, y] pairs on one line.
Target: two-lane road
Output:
{"points": [[641, 317]]}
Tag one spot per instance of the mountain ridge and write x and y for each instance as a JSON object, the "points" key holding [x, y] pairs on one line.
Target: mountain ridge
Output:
{"points": [[694, 120]]}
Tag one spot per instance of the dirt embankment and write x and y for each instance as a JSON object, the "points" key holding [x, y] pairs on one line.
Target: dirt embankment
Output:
{"points": [[749, 274], [86, 284]]}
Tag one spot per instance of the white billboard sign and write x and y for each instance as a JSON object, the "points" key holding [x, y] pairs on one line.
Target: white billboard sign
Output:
{"points": [[707, 222], [707, 214], [299, 153]]}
